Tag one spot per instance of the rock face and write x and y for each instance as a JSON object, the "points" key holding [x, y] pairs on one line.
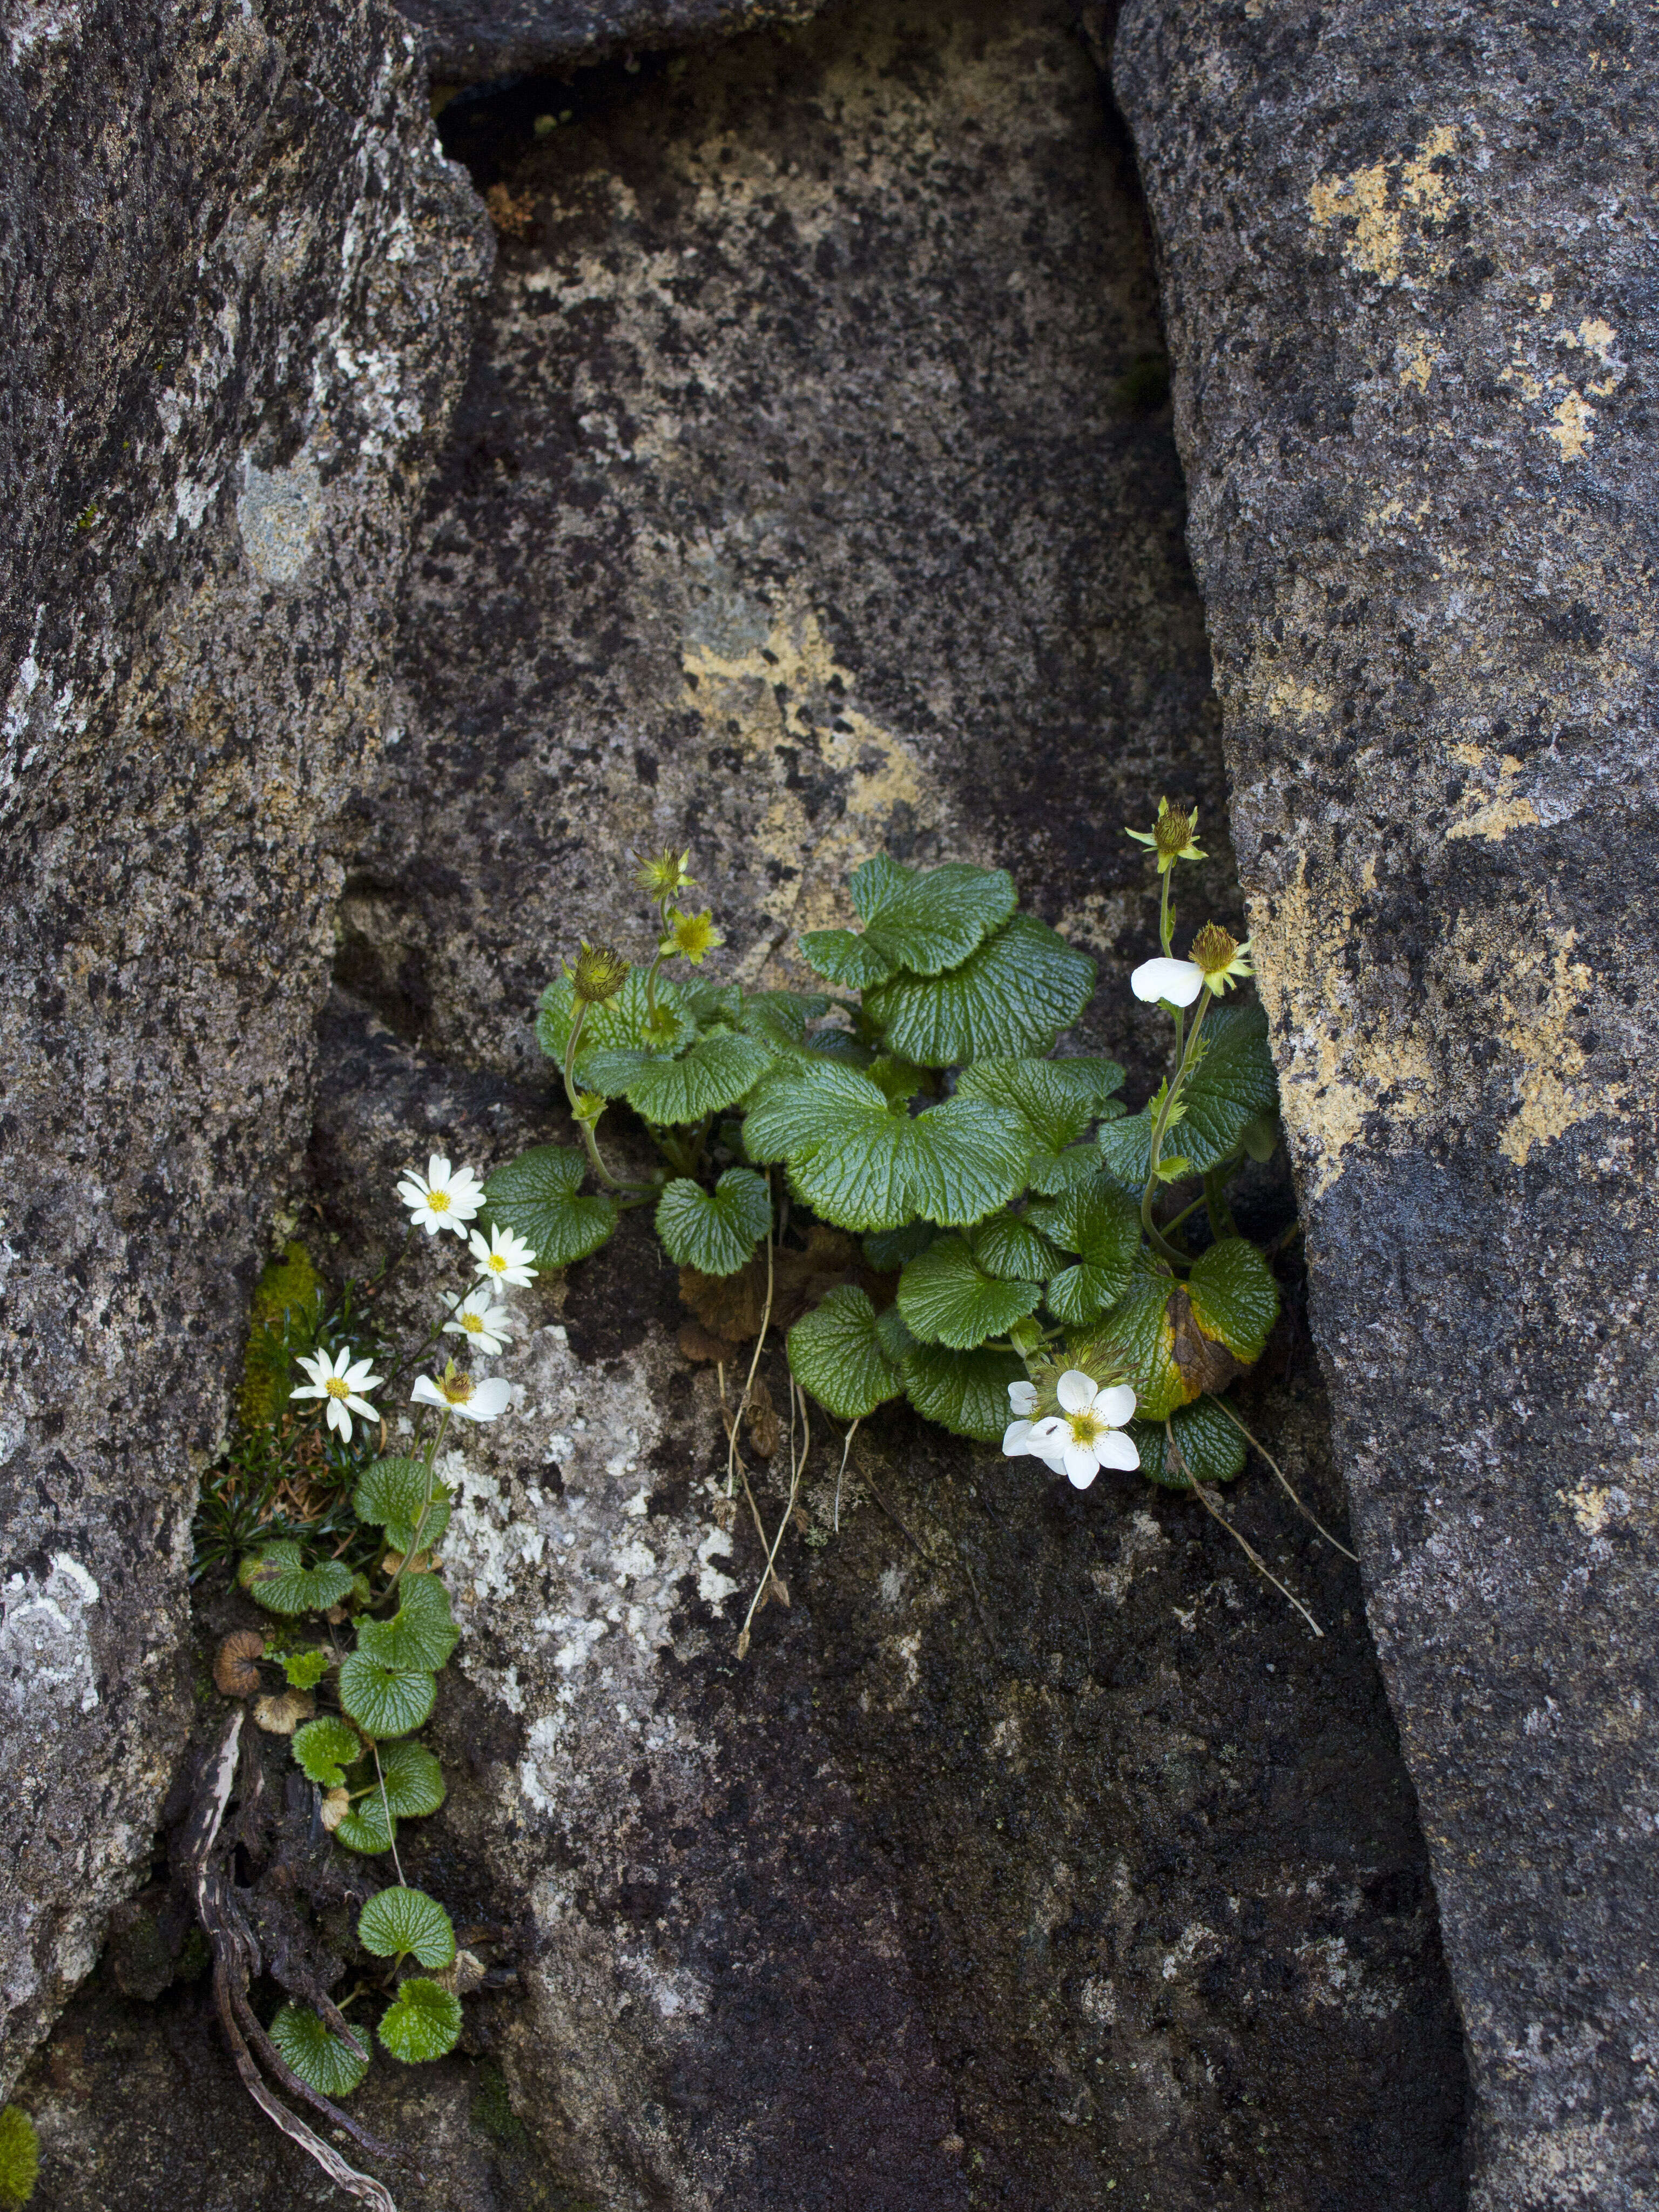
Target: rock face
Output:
{"points": [[238, 278], [1408, 272], [467, 40]]}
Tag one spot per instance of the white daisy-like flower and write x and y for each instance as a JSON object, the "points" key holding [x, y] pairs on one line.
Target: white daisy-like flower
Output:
{"points": [[505, 1259], [443, 1198], [454, 1393], [480, 1320], [339, 1380], [1086, 1435], [1022, 1399]]}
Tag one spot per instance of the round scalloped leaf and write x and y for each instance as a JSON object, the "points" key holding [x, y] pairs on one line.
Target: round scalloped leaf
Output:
{"points": [[718, 1071], [1077, 1296], [966, 1392], [1233, 1085], [324, 1748], [1140, 1332], [928, 920], [1235, 1298], [1055, 1105], [538, 1197], [947, 1298], [887, 1249], [842, 957], [419, 1637], [1014, 1249], [837, 1352], [323, 2062], [1011, 998], [405, 1923], [421, 2022], [305, 1669], [714, 1232], [414, 1780], [390, 1495], [384, 1701], [280, 1581], [1203, 1438], [366, 1827]]}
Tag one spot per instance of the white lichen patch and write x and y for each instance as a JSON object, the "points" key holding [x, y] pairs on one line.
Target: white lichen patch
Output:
{"points": [[279, 513], [46, 1640]]}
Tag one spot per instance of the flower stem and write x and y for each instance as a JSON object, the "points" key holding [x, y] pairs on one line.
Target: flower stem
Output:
{"points": [[1172, 1096], [426, 1506], [589, 1140], [385, 1804]]}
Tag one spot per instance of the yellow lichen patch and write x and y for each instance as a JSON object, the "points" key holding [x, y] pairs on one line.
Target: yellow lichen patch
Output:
{"points": [[791, 691], [1286, 700], [1506, 810], [1377, 243], [1421, 184], [1593, 1505], [1419, 365], [1554, 1098], [1572, 427]]}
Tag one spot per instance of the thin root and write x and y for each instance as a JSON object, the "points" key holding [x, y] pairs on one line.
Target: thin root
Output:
{"points": [[1242, 1543], [1312, 1518]]}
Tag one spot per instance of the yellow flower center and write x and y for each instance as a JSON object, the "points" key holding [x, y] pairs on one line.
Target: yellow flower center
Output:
{"points": [[497, 1265], [458, 1389], [336, 1387], [438, 1200], [1086, 1427], [474, 1321]]}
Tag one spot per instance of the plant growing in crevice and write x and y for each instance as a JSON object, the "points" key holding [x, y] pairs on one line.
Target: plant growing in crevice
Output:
{"points": [[1028, 1248]]}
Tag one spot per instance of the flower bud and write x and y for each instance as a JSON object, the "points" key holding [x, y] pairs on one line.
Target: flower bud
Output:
{"points": [[1170, 835], [597, 973]]}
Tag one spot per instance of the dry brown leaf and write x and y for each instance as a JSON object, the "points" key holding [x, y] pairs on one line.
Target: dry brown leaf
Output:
{"points": [[765, 1432], [281, 1714], [336, 1805], [235, 1670], [697, 1346]]}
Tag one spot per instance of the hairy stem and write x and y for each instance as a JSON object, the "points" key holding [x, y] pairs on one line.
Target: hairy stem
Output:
{"points": [[1171, 1097], [589, 1140]]}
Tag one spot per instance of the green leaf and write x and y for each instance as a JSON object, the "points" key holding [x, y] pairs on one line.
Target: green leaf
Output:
{"points": [[842, 957], [1094, 1077], [720, 1069], [836, 1353], [966, 1392], [714, 1232], [1126, 1148], [622, 1024], [366, 1828], [861, 1165], [423, 2021], [780, 1019], [1051, 1173], [414, 1780], [385, 1700], [280, 1581], [1235, 1298], [1139, 1331], [305, 1669], [390, 1496], [325, 1748], [1260, 1138], [946, 1298], [419, 1637], [402, 1924], [1077, 1296], [929, 920], [1203, 1437], [1056, 1099], [1012, 997], [1015, 1249], [1102, 1225], [888, 1249], [537, 1197], [892, 1334], [325, 2062]]}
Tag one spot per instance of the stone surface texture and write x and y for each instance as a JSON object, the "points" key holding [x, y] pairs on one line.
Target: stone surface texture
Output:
{"points": [[811, 496], [469, 40], [1407, 260], [237, 275]]}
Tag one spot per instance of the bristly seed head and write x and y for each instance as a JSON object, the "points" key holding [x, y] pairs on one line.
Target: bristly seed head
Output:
{"points": [[597, 973], [1223, 960], [1170, 835], [665, 876]]}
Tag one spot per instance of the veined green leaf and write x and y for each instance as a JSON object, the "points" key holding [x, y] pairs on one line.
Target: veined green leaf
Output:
{"points": [[1012, 998], [861, 1165], [1231, 1086], [325, 2062], [714, 1232], [1126, 1148], [390, 1496], [1140, 1332], [279, 1580], [780, 1019], [836, 1353], [1014, 1249], [1201, 1437], [966, 1392], [842, 957], [1056, 1104], [1235, 1298], [1102, 1225], [946, 1298], [419, 1637], [325, 1748], [366, 1828], [1077, 1296], [405, 1924], [537, 1196], [888, 1249], [927, 921], [421, 2022], [717, 1071], [385, 1700], [621, 1025], [414, 1780], [305, 1669]]}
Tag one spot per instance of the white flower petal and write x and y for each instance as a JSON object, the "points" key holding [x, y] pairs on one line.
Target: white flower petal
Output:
{"points": [[1016, 1439], [1116, 1405], [488, 1402], [437, 1170], [426, 1393], [361, 1407], [1076, 1391], [319, 1369], [339, 1419], [309, 1390], [1052, 1435], [1179, 982], [359, 1376], [1115, 1449], [1022, 1396], [1081, 1465]]}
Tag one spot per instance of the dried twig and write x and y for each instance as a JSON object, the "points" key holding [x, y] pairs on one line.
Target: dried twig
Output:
{"points": [[1244, 1546], [798, 1462], [846, 1448], [1285, 1483]]}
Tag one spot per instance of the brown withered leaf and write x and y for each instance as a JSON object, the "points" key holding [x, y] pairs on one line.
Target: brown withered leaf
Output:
{"points": [[281, 1714], [336, 1804], [235, 1668], [730, 1306], [697, 1346], [1204, 1362], [765, 1431]]}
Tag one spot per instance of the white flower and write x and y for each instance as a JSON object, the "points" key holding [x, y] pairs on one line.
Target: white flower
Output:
{"points": [[505, 1261], [338, 1380], [1022, 1397], [478, 1316], [1086, 1435], [1178, 981], [459, 1394], [444, 1198]]}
